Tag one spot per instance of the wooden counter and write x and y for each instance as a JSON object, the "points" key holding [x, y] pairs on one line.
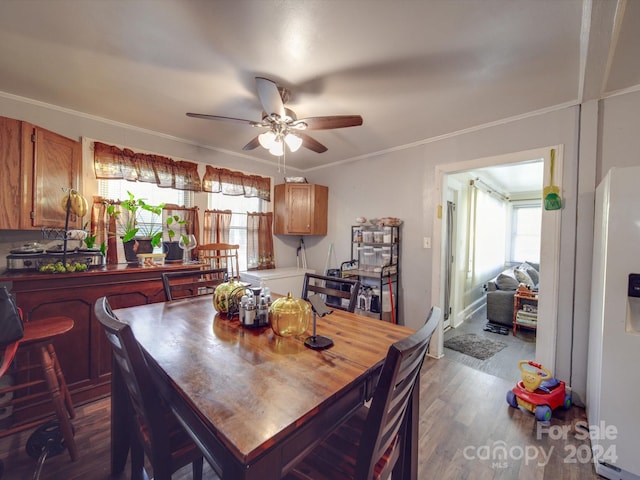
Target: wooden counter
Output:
{"points": [[83, 352]]}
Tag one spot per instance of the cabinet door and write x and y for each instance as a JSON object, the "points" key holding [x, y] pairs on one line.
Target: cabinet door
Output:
{"points": [[57, 164], [300, 209], [11, 180]]}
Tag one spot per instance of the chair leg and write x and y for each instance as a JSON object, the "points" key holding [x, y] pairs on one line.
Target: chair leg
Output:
{"points": [[137, 460], [197, 468], [58, 402], [64, 390]]}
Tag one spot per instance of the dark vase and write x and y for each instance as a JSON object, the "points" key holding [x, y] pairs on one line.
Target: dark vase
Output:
{"points": [[174, 252], [133, 247]]}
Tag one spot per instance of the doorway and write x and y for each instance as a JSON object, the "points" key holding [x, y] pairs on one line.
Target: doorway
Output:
{"points": [[550, 233]]}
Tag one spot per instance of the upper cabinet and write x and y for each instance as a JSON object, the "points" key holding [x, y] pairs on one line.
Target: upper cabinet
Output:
{"points": [[300, 209], [11, 193], [38, 165]]}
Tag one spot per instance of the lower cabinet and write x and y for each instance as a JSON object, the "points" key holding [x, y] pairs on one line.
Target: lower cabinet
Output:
{"points": [[84, 353]]}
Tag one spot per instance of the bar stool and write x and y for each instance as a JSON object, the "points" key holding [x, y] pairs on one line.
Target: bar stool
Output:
{"points": [[38, 335]]}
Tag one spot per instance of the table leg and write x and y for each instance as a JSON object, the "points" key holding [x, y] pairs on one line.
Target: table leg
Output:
{"points": [[120, 421]]}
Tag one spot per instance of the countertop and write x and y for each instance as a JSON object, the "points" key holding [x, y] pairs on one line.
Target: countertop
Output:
{"points": [[115, 269]]}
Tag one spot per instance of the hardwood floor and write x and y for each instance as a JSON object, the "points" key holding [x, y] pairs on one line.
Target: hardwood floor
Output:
{"points": [[503, 364], [465, 424]]}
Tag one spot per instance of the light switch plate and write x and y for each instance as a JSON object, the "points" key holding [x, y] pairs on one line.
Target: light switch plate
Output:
{"points": [[426, 242]]}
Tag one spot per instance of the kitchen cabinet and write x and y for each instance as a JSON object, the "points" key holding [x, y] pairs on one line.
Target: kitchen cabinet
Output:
{"points": [[38, 164], [83, 352], [300, 209], [11, 181]]}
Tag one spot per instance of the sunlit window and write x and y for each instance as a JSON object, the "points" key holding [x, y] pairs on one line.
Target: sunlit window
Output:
{"points": [[149, 192], [525, 232], [488, 235], [239, 207]]}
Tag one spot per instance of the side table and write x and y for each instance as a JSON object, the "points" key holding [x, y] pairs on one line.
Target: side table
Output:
{"points": [[525, 308]]}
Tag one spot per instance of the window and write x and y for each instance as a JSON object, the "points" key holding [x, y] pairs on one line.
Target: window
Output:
{"points": [[526, 220], [239, 206], [150, 192]]}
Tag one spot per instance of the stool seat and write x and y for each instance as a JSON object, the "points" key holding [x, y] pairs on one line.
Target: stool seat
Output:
{"points": [[45, 329]]}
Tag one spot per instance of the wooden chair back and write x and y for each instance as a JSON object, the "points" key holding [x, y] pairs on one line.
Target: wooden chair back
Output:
{"points": [[387, 414], [333, 289], [192, 283], [221, 255], [155, 421]]}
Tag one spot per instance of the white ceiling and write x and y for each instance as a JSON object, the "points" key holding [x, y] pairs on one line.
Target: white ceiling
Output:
{"points": [[415, 70]]}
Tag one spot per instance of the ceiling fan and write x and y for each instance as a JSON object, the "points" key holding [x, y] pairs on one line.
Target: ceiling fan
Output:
{"points": [[281, 124]]}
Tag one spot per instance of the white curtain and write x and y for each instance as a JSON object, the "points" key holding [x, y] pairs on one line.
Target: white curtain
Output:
{"points": [[489, 234]]}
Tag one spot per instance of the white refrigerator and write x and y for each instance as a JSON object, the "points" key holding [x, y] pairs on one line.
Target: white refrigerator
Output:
{"points": [[613, 378]]}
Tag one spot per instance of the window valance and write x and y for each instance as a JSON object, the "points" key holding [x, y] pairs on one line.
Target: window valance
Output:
{"points": [[229, 182], [112, 162]]}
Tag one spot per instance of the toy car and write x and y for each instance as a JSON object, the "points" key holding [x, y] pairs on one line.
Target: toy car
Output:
{"points": [[538, 391]]}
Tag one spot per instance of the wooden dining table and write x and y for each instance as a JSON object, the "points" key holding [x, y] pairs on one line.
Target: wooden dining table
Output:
{"points": [[254, 402]]}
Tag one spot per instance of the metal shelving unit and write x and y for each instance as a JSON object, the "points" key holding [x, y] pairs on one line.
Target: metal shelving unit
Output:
{"points": [[376, 251]]}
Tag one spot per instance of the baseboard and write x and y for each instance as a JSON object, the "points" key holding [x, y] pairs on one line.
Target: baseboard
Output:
{"points": [[469, 312]]}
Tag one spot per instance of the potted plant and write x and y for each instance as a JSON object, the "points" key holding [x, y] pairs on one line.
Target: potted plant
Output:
{"points": [[174, 252], [139, 224]]}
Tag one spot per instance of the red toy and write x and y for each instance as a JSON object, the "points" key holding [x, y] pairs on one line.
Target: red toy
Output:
{"points": [[538, 391]]}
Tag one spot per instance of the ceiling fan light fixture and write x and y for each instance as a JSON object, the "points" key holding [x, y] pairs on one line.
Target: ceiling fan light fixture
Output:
{"points": [[267, 139], [294, 142], [282, 124], [277, 148]]}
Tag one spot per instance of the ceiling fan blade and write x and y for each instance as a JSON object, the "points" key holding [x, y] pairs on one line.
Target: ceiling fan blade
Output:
{"points": [[254, 143], [270, 97], [311, 143], [226, 119], [334, 121]]}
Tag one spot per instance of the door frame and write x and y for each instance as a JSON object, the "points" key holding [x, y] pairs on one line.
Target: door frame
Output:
{"points": [[549, 248]]}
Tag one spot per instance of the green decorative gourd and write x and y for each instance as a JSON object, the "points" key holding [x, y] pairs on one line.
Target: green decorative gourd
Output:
{"points": [[226, 297]]}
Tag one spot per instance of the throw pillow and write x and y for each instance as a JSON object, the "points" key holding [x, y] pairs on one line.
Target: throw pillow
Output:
{"points": [[531, 271], [506, 282], [523, 277], [535, 276], [533, 265]]}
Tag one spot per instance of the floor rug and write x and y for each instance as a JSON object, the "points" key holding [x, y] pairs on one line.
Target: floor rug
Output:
{"points": [[474, 345]]}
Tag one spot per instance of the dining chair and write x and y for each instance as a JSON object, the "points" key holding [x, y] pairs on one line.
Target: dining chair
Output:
{"points": [[369, 444], [158, 434], [192, 283], [221, 255], [335, 290]]}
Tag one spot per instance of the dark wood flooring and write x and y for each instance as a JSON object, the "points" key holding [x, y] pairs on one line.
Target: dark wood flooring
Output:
{"points": [[467, 431]]}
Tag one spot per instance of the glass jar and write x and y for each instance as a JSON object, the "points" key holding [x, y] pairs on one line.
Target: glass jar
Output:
{"points": [[386, 237], [289, 316]]}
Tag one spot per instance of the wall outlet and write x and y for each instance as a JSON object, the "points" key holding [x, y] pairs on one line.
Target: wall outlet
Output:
{"points": [[426, 242]]}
